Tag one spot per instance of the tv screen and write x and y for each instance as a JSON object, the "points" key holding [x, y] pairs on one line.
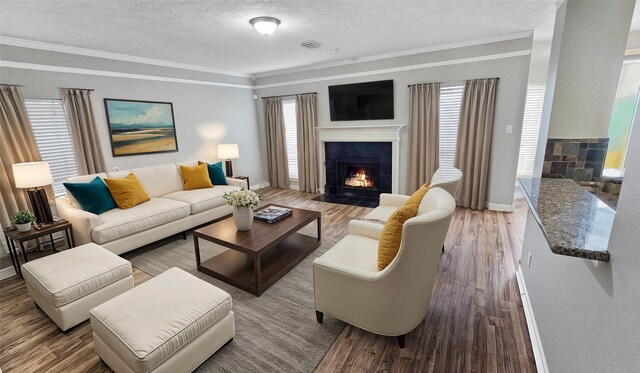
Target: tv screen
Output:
{"points": [[361, 101]]}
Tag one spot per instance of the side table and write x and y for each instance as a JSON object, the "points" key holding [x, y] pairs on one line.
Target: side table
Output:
{"points": [[16, 239]]}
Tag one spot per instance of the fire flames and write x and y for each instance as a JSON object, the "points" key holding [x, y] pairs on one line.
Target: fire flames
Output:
{"points": [[359, 180]]}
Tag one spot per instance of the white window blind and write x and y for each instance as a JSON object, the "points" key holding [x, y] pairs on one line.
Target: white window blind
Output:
{"points": [[450, 101], [54, 139], [289, 112], [530, 129]]}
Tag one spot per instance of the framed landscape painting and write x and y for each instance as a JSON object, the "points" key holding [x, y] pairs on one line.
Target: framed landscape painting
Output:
{"points": [[140, 127]]}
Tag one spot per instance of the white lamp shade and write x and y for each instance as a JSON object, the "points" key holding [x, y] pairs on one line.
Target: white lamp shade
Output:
{"points": [[32, 174], [228, 151]]}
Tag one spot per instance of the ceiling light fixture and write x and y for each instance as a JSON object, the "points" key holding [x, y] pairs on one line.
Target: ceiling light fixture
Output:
{"points": [[265, 25]]}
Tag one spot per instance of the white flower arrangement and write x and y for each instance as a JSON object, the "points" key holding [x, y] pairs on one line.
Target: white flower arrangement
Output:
{"points": [[242, 197]]}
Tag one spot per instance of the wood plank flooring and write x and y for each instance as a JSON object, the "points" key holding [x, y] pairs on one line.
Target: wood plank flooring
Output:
{"points": [[475, 323]]}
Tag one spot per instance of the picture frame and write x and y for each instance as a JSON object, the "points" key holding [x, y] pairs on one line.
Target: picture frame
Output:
{"points": [[140, 127]]}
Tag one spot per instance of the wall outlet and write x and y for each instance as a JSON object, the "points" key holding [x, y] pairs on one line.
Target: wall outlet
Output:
{"points": [[529, 260], [509, 128]]}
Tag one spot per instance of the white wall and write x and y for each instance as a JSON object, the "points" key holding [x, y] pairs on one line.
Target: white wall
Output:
{"points": [[204, 115], [588, 313], [590, 58], [511, 93]]}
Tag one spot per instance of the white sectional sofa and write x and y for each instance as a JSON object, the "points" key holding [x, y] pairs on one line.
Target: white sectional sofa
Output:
{"points": [[171, 209]]}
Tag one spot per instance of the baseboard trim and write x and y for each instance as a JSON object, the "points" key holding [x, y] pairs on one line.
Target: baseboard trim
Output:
{"points": [[6, 273], [499, 207], [536, 342], [260, 185]]}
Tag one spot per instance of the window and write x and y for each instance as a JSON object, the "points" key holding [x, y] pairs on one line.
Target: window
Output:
{"points": [[450, 101], [54, 140], [530, 130], [289, 112]]}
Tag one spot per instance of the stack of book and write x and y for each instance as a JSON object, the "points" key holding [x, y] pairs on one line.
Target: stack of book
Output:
{"points": [[272, 214]]}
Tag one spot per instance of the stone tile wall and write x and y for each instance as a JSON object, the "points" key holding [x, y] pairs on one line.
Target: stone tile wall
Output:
{"points": [[577, 159]]}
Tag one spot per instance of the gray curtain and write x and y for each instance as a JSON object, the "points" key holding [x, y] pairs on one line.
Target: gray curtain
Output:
{"points": [[473, 147], [17, 145], [86, 144], [307, 120], [276, 143], [424, 113]]}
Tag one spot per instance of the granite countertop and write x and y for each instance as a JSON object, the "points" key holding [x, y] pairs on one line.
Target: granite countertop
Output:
{"points": [[574, 222]]}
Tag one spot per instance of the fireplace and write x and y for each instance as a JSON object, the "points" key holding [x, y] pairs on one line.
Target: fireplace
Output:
{"points": [[357, 172]]}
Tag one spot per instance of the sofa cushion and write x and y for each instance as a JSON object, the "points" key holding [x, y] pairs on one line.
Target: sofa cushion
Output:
{"points": [[93, 196], [353, 251], [151, 322], [202, 199], [72, 274], [392, 234], [381, 213], [156, 180], [127, 192], [196, 177], [118, 223]]}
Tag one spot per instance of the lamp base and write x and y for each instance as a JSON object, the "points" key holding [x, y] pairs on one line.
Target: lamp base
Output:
{"points": [[40, 205], [229, 167]]}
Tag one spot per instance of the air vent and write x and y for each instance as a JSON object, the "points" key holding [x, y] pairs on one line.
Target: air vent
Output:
{"points": [[311, 44]]}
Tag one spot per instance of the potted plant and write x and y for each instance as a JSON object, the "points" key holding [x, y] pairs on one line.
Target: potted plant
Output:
{"points": [[22, 220], [243, 202]]}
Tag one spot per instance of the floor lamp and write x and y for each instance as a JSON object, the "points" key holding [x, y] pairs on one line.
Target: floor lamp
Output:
{"points": [[228, 152], [33, 176]]}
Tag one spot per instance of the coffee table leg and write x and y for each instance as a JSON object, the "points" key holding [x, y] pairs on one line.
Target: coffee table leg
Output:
{"points": [[258, 272], [197, 247]]}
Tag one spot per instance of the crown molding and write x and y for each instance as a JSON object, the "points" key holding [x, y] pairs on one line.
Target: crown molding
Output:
{"points": [[115, 74], [408, 52], [31, 44], [457, 61]]}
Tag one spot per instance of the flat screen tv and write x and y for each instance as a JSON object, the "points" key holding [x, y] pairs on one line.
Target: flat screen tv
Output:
{"points": [[361, 101]]}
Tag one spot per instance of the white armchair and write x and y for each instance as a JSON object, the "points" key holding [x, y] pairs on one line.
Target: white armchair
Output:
{"points": [[393, 301]]}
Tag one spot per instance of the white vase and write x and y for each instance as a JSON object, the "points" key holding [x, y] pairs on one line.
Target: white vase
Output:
{"points": [[243, 217], [26, 227]]}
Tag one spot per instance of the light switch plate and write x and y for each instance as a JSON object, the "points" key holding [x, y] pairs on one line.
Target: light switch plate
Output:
{"points": [[509, 128]]}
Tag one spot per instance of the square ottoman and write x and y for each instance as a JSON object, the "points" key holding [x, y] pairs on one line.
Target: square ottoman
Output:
{"points": [[170, 323], [66, 285]]}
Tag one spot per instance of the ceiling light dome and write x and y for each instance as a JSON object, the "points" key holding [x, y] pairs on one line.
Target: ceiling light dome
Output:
{"points": [[265, 25]]}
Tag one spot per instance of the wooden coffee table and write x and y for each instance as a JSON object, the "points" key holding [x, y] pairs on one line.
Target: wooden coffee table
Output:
{"points": [[258, 257]]}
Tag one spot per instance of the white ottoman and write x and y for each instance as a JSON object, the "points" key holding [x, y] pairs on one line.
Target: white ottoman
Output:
{"points": [[170, 323], [66, 285]]}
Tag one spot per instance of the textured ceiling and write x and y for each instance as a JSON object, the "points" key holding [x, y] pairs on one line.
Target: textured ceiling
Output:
{"points": [[217, 34]]}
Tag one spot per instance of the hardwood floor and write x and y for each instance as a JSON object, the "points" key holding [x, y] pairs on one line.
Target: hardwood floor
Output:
{"points": [[475, 323]]}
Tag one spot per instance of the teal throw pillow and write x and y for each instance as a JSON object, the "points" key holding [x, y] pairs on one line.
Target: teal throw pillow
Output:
{"points": [[216, 174], [93, 196]]}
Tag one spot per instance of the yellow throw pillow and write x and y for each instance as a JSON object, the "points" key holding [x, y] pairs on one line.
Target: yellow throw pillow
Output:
{"points": [[127, 192], [196, 177], [391, 235], [416, 197]]}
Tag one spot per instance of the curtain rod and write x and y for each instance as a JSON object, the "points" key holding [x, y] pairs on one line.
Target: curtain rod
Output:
{"points": [[81, 89], [295, 94], [409, 85]]}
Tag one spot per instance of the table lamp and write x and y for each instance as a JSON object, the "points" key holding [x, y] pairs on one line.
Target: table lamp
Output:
{"points": [[228, 152], [33, 176]]}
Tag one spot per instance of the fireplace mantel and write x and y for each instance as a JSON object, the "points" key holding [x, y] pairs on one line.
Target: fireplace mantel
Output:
{"points": [[361, 133]]}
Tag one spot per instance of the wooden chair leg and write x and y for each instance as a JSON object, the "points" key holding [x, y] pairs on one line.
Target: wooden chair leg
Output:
{"points": [[401, 340], [319, 317]]}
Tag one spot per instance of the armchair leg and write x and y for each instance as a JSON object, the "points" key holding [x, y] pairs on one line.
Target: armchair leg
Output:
{"points": [[319, 316], [184, 236], [401, 340], [442, 248]]}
